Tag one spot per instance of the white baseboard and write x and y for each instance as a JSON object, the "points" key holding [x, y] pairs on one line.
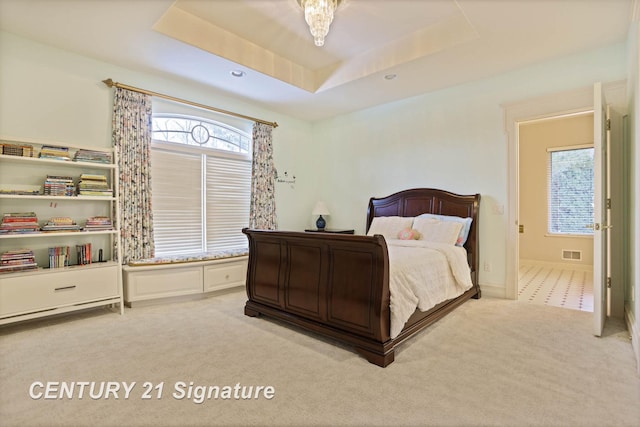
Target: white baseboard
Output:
{"points": [[567, 265], [493, 291], [634, 331]]}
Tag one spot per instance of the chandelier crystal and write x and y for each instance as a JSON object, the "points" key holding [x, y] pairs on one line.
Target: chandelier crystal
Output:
{"points": [[319, 14]]}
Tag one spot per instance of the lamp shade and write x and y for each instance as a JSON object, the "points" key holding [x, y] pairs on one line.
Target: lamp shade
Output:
{"points": [[320, 209]]}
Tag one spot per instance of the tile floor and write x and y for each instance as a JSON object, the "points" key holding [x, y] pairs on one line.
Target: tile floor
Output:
{"points": [[556, 286]]}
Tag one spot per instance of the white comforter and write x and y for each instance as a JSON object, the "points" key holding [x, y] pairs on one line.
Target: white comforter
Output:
{"points": [[423, 274]]}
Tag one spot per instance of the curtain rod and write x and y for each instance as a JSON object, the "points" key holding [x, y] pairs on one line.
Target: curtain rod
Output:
{"points": [[111, 83]]}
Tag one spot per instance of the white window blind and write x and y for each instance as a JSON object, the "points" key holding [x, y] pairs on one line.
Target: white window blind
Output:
{"points": [[228, 194], [571, 190], [176, 201]]}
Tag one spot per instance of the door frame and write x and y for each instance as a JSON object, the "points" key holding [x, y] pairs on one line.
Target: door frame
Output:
{"points": [[601, 212], [544, 107]]}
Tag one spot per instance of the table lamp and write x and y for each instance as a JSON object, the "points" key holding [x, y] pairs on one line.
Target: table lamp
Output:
{"points": [[320, 209]]}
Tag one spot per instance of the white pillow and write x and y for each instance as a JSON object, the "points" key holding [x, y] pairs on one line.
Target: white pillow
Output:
{"points": [[466, 225], [436, 231], [389, 226]]}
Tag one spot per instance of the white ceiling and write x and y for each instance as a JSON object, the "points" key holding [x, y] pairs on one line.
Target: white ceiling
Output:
{"points": [[428, 44]]}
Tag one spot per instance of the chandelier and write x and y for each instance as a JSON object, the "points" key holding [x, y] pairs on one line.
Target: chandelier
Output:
{"points": [[319, 14]]}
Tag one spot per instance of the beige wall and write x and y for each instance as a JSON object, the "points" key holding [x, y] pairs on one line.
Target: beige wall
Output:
{"points": [[534, 139]]}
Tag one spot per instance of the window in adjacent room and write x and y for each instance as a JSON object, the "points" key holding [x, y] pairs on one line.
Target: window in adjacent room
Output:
{"points": [[201, 185], [571, 187]]}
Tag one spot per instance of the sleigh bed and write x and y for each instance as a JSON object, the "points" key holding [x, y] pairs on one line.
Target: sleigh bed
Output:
{"points": [[338, 285]]}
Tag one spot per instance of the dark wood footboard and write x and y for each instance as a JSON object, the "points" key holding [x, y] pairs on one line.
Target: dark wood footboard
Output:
{"points": [[336, 285]]}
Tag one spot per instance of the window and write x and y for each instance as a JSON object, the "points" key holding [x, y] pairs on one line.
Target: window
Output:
{"points": [[201, 184], [571, 195], [198, 132]]}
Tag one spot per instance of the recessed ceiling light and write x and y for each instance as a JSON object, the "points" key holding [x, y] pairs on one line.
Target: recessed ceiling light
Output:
{"points": [[238, 73], [390, 76]]}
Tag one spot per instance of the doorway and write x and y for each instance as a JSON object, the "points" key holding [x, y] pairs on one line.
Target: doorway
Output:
{"points": [[550, 106], [555, 166]]}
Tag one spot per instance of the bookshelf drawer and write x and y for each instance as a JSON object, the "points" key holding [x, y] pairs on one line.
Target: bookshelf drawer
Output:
{"points": [[225, 275], [28, 292]]}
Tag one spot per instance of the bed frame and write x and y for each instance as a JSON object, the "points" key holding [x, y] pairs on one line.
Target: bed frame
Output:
{"points": [[337, 285]]}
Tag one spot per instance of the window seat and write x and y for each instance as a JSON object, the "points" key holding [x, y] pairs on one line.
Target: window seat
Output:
{"points": [[177, 259], [194, 275]]}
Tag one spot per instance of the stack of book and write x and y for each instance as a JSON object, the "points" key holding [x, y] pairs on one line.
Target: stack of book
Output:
{"points": [[94, 185], [24, 150], [59, 257], [57, 185], [17, 260], [53, 152], [22, 189], [60, 223], [97, 223], [83, 253], [19, 222], [83, 155]]}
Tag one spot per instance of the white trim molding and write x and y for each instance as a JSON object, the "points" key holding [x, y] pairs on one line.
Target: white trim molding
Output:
{"points": [[559, 265], [634, 332], [492, 291], [635, 11]]}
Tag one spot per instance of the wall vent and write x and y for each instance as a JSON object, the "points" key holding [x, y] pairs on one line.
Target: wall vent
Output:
{"points": [[571, 255]]}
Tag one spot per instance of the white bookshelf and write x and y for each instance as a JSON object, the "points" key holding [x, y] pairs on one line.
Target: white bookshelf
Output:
{"points": [[47, 291]]}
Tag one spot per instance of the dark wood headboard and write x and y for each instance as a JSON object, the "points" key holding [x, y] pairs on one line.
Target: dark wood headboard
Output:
{"points": [[429, 200]]}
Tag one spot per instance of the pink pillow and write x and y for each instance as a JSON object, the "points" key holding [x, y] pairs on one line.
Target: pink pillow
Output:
{"points": [[409, 234]]}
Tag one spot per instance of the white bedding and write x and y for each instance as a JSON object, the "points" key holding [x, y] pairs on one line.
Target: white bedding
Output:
{"points": [[423, 274]]}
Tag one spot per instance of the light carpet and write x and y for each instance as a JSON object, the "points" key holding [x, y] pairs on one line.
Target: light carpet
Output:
{"points": [[490, 362]]}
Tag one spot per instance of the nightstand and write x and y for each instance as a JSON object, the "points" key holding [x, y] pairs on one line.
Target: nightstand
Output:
{"points": [[330, 230]]}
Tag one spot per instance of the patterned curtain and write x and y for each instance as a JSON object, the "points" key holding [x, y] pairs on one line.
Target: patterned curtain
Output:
{"points": [[262, 211], [132, 139]]}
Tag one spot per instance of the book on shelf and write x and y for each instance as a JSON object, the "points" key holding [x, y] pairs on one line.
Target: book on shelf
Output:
{"points": [[57, 224], [57, 185], [17, 260], [98, 223], [59, 257], [20, 189], [83, 253], [93, 177], [19, 222], [19, 216], [84, 155], [22, 150], [54, 152], [94, 185]]}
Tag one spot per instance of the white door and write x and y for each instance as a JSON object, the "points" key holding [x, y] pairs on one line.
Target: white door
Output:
{"points": [[601, 226]]}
